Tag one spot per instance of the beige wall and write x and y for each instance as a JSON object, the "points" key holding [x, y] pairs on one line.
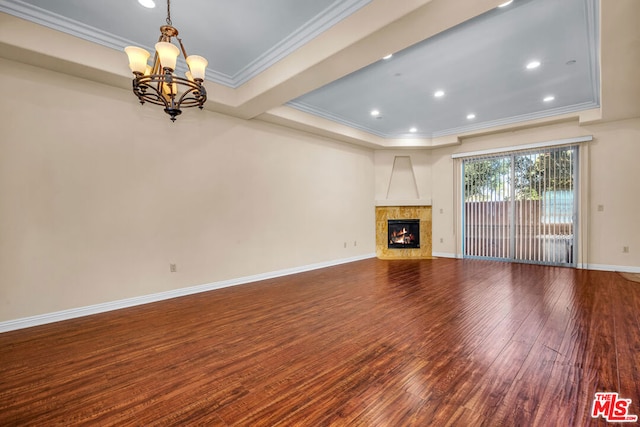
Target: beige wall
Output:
{"points": [[98, 195], [611, 176], [384, 168]]}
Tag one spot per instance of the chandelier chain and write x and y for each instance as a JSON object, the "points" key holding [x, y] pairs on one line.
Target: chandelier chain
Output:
{"points": [[169, 12]]}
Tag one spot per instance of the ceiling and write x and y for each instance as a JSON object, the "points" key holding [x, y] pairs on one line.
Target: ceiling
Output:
{"points": [[480, 66], [318, 63]]}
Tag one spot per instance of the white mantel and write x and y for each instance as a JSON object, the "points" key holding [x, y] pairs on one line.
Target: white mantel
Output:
{"points": [[404, 202]]}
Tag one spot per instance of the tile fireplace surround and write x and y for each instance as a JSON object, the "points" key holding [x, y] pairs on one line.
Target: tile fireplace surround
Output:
{"points": [[384, 213]]}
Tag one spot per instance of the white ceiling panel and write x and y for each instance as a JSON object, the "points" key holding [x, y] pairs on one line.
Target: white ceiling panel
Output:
{"points": [[480, 64], [481, 67]]}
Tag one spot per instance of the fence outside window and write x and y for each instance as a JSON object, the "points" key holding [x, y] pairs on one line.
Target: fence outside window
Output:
{"points": [[521, 206]]}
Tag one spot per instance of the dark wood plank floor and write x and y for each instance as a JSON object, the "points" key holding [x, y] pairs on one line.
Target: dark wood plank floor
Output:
{"points": [[371, 343]]}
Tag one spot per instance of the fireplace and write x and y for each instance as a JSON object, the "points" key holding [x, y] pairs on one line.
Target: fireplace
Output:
{"points": [[387, 218], [403, 233]]}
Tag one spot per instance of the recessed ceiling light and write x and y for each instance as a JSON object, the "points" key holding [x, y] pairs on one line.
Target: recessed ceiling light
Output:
{"points": [[413, 130], [149, 4], [388, 56], [438, 93], [533, 64], [375, 113], [471, 116], [549, 98], [507, 3]]}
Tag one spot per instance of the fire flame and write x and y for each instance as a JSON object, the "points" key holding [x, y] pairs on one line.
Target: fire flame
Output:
{"points": [[402, 236]]}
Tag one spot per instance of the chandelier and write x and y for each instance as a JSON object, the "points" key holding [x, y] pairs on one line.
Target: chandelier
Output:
{"points": [[157, 83]]}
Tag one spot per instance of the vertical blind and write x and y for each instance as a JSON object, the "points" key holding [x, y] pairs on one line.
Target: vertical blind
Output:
{"points": [[521, 205]]}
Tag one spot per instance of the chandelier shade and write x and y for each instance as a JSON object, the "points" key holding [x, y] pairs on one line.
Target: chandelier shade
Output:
{"points": [[197, 64], [137, 58], [168, 54], [157, 83]]}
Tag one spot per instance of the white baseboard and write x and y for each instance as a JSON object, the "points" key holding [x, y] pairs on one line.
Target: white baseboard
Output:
{"points": [[619, 268], [444, 255], [601, 267], [42, 319]]}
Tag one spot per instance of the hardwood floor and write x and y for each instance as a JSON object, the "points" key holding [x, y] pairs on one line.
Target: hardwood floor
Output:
{"points": [[371, 343]]}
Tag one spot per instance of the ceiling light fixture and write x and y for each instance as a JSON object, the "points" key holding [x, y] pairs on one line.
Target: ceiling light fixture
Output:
{"points": [[388, 56], [549, 98], [149, 4], [471, 116], [533, 64], [507, 3], [438, 93], [375, 113], [413, 130], [157, 84]]}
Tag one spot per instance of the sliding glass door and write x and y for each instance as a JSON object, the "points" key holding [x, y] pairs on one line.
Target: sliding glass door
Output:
{"points": [[521, 206]]}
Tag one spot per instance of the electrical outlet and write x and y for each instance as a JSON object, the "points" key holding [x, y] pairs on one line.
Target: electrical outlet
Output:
{"points": [[441, 210], [625, 249], [600, 208], [441, 240], [173, 268]]}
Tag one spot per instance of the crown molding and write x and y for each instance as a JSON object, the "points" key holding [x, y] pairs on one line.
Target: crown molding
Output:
{"points": [[57, 22], [310, 30], [508, 121]]}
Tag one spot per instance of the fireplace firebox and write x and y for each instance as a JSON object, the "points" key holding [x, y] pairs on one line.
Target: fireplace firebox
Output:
{"points": [[403, 233]]}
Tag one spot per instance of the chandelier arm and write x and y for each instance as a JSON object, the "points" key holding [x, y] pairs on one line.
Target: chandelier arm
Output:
{"points": [[197, 98], [140, 87], [184, 52], [149, 89]]}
